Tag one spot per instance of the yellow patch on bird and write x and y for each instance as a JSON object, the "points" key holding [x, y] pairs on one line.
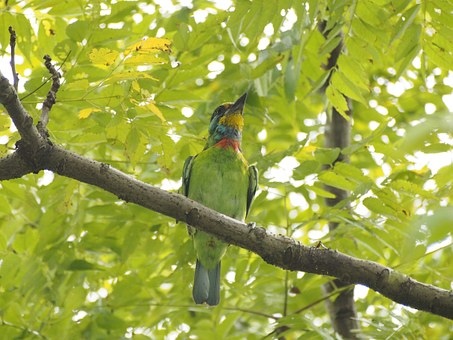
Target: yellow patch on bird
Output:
{"points": [[235, 120]]}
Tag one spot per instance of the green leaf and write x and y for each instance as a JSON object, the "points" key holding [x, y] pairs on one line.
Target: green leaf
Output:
{"points": [[338, 101], [342, 82], [266, 65], [411, 188], [110, 322], [353, 70], [78, 30], [377, 206], [306, 168], [326, 156], [80, 264], [291, 79], [437, 55], [406, 20], [438, 224], [408, 48], [337, 181], [351, 172], [58, 239], [321, 192]]}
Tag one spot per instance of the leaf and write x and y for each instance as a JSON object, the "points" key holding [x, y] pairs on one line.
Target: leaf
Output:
{"points": [[79, 264], [411, 189], [321, 192], [110, 322], [405, 21], [418, 135], [351, 173], [154, 109], [408, 48], [85, 113], [399, 5], [329, 45], [326, 156], [133, 139], [353, 70], [438, 224], [436, 148], [78, 30], [377, 206], [306, 168], [341, 81], [128, 75], [337, 181], [291, 80], [266, 65], [144, 59], [149, 45], [338, 101], [437, 55], [103, 57]]}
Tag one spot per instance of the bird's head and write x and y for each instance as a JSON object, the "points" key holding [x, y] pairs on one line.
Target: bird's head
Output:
{"points": [[227, 121]]}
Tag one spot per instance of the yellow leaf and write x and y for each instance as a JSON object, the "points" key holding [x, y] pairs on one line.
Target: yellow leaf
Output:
{"points": [[143, 59], [133, 75], [150, 45], [85, 113], [154, 109], [103, 56], [136, 86]]}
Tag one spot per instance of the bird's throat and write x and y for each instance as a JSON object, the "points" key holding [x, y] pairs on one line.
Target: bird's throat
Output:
{"points": [[226, 143]]}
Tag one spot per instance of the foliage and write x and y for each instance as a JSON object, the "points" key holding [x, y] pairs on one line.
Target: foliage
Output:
{"points": [[76, 262]]}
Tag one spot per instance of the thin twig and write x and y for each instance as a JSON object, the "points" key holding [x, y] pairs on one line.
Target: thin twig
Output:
{"points": [[12, 43], [320, 300], [51, 95], [47, 80]]}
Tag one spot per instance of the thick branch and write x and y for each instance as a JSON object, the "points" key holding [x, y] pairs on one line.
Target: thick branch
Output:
{"points": [[13, 166], [21, 119], [277, 250]]}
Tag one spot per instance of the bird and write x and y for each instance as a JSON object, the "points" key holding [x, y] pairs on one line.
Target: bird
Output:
{"points": [[220, 178]]}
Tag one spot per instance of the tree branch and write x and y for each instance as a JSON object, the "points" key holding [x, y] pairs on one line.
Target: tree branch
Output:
{"points": [[342, 309], [12, 44], [51, 96], [13, 166], [277, 250]]}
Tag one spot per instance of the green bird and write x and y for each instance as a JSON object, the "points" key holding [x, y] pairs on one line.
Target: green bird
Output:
{"points": [[220, 178]]}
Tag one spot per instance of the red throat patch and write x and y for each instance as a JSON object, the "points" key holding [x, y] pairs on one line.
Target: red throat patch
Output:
{"points": [[228, 143]]}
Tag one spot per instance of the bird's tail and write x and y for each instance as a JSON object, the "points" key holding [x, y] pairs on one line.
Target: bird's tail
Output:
{"points": [[206, 285]]}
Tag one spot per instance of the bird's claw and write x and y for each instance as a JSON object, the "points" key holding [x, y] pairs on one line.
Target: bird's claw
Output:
{"points": [[251, 225]]}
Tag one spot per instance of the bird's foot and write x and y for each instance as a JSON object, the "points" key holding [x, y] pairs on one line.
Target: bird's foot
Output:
{"points": [[251, 225]]}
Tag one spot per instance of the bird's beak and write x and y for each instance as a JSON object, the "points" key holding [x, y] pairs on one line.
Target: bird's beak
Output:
{"points": [[238, 105]]}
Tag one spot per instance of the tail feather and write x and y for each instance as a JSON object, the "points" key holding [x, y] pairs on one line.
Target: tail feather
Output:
{"points": [[200, 284], [206, 285], [214, 286]]}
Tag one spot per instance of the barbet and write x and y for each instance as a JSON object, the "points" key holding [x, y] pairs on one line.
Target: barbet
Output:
{"points": [[220, 178]]}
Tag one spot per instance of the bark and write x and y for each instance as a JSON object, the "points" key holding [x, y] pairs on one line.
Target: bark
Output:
{"points": [[35, 152]]}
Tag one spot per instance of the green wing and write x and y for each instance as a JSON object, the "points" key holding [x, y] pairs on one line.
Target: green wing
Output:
{"points": [[253, 186], [186, 171]]}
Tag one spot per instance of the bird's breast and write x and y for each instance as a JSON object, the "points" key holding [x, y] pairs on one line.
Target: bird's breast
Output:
{"points": [[219, 180]]}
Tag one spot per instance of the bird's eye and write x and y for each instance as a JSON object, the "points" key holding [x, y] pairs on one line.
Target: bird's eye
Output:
{"points": [[220, 111]]}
